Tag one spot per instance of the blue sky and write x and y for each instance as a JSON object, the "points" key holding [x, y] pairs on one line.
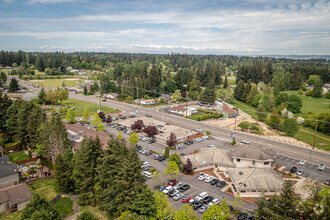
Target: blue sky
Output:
{"points": [[242, 27]]}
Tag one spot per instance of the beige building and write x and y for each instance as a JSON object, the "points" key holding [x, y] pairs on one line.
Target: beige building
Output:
{"points": [[253, 181], [182, 134], [208, 158], [184, 110], [252, 156], [14, 198]]}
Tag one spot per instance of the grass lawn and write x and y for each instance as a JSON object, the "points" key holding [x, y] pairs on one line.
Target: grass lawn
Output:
{"points": [[307, 135], [92, 107], [101, 215], [20, 156], [196, 116], [53, 83], [11, 144], [63, 206], [46, 189], [11, 216], [246, 108], [310, 104]]}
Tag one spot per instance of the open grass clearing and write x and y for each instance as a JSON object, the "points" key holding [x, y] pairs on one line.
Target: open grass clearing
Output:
{"points": [[307, 135], [250, 110], [54, 83], [18, 156], [311, 104], [63, 206], [92, 107], [46, 189], [101, 215]]}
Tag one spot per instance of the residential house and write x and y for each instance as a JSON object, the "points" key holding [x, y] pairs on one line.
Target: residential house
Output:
{"points": [[77, 133], [184, 110], [253, 156], [145, 101], [166, 97], [8, 172], [110, 96], [254, 181], [228, 112], [14, 198]]}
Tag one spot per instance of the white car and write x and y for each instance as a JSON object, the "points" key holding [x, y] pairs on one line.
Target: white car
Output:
{"points": [[209, 179], [300, 172], [205, 137], [167, 189], [302, 162], [198, 129], [245, 142], [202, 176], [145, 139], [201, 196], [321, 167], [214, 201], [211, 146]]}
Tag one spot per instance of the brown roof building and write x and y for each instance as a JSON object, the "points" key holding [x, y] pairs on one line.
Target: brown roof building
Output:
{"points": [[77, 133], [14, 198]]}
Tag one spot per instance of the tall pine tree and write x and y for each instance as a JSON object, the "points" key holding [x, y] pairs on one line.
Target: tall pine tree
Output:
{"points": [[63, 174]]}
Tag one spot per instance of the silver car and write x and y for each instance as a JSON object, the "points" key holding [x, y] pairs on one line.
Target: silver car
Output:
{"points": [[178, 196]]}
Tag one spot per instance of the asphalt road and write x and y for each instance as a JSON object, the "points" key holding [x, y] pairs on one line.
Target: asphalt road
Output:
{"points": [[282, 148]]}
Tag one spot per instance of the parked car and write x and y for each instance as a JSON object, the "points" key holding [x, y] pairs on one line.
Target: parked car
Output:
{"points": [[211, 146], [231, 208], [202, 209], [167, 189], [198, 129], [300, 172], [214, 201], [327, 182], [149, 152], [177, 196], [184, 187], [157, 156], [202, 176], [221, 184], [151, 141], [191, 201], [209, 179], [293, 169], [321, 167], [245, 142], [161, 188], [173, 192], [104, 100], [197, 205], [242, 216], [145, 138], [302, 162], [162, 158], [172, 182], [81, 123], [201, 196], [207, 199], [186, 199], [149, 115], [214, 181]]}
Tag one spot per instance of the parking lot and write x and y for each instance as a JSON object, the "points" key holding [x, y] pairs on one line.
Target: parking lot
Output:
{"points": [[310, 169]]}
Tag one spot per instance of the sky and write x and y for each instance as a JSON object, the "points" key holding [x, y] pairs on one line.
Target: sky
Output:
{"points": [[238, 27]]}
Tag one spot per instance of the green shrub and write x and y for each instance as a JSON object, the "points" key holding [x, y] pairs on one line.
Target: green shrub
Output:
{"points": [[244, 125], [233, 142], [208, 133], [309, 93]]}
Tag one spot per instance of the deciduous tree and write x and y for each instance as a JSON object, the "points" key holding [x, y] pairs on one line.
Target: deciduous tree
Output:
{"points": [[151, 130], [171, 140], [86, 116], [172, 170], [164, 209], [138, 125], [133, 138], [186, 213], [290, 126], [70, 116]]}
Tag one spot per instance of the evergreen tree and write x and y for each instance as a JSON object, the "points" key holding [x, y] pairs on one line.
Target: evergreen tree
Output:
{"points": [[63, 174], [85, 90], [86, 116], [95, 86], [317, 89], [86, 215], [120, 177], [96, 120], [13, 85], [85, 173], [5, 103], [287, 204], [100, 127], [239, 91], [40, 64], [253, 92], [3, 78], [144, 202], [70, 116], [247, 89], [35, 120], [225, 84], [208, 95], [38, 208], [42, 95]]}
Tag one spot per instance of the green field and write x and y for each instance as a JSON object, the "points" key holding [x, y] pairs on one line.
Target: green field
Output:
{"points": [[63, 206], [310, 104], [306, 135], [53, 83], [46, 189], [196, 116], [246, 108], [19, 156], [92, 107]]}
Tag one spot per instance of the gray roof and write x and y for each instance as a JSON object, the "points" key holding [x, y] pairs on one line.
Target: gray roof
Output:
{"points": [[258, 179], [253, 153], [7, 168], [15, 194], [165, 96]]}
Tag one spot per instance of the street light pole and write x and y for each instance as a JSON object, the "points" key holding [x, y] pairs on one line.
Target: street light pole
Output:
{"points": [[315, 134]]}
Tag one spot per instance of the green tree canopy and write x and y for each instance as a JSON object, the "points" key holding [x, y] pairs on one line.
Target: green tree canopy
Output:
{"points": [[133, 138], [290, 126]]}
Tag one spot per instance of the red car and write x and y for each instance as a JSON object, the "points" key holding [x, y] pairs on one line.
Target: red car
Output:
{"points": [[186, 199], [119, 115], [172, 183], [130, 116]]}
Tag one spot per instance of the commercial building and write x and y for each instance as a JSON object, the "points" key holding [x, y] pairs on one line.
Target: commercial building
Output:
{"points": [[184, 110], [145, 101]]}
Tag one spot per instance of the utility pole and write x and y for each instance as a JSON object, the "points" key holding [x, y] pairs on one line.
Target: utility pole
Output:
{"points": [[137, 91], [315, 134], [99, 102]]}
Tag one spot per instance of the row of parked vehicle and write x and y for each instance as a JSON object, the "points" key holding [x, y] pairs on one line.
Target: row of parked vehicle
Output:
{"points": [[142, 150], [213, 181], [199, 139]]}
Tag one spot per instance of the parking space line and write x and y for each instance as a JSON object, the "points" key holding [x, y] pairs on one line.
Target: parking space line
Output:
{"points": [[311, 166], [292, 160], [287, 159], [317, 178]]}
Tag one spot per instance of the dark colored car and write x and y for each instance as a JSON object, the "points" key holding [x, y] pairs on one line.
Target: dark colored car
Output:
{"points": [[182, 154], [293, 169], [172, 192], [327, 182], [231, 208], [207, 199], [161, 188], [172, 182], [251, 218], [197, 205], [81, 123], [104, 100], [157, 156], [184, 187], [221, 184], [242, 216], [151, 141], [214, 181], [162, 158]]}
